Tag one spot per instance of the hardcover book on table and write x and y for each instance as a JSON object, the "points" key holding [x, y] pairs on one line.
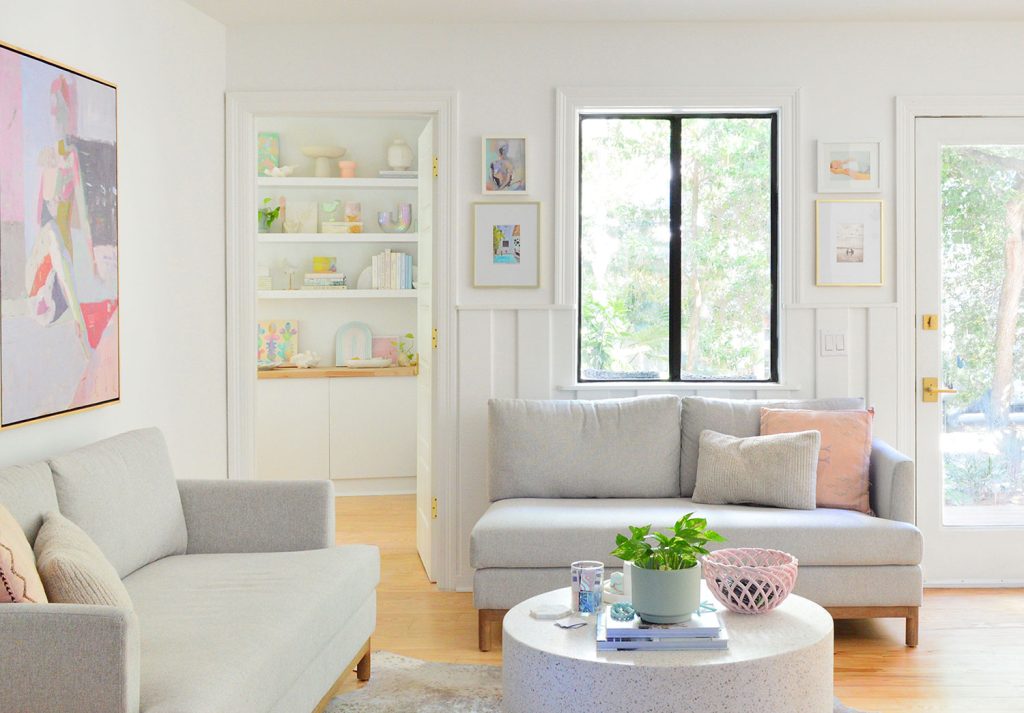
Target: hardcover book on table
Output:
{"points": [[705, 622]]}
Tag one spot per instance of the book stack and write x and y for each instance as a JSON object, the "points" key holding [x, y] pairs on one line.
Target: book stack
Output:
{"points": [[391, 271], [324, 281], [704, 631]]}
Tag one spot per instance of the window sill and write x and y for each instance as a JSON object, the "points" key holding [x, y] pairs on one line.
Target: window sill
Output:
{"points": [[664, 386]]}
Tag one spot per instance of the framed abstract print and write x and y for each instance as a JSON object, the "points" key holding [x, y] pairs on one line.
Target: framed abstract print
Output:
{"points": [[506, 244], [59, 346]]}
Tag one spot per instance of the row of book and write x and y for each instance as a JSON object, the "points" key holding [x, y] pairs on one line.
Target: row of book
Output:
{"points": [[702, 632], [391, 271]]}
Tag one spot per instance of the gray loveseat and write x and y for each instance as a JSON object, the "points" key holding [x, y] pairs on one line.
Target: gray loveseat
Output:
{"points": [[566, 476], [242, 603]]}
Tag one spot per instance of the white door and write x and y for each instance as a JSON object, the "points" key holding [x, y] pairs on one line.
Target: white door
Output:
{"points": [[425, 541], [969, 274]]}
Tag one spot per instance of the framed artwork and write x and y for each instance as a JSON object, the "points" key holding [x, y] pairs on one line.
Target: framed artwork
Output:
{"points": [[268, 151], [277, 340], [385, 348], [849, 243], [504, 168], [59, 342], [849, 167], [506, 244]]}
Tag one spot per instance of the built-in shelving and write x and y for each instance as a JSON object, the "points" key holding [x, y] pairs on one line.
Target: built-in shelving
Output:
{"points": [[313, 182], [284, 238], [335, 294], [337, 372]]}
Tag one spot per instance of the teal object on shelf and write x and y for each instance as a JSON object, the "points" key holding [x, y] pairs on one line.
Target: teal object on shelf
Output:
{"points": [[354, 340]]}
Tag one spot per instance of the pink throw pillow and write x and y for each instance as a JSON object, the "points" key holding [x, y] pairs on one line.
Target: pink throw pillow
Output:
{"points": [[845, 455]]}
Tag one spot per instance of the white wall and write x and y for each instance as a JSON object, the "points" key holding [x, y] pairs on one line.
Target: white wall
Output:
{"points": [[168, 62], [514, 342]]}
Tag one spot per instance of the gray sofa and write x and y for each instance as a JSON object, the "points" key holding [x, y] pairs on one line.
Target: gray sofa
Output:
{"points": [[242, 603], [567, 476]]}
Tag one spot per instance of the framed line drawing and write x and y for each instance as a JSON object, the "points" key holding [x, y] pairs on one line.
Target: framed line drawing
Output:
{"points": [[849, 243], [59, 336]]}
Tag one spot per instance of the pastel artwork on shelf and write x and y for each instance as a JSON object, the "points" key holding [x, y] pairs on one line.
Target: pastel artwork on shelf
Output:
{"points": [[268, 152], [325, 264], [277, 340], [385, 348]]}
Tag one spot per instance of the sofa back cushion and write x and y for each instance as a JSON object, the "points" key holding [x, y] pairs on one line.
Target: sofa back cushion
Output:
{"points": [[27, 493], [615, 448], [123, 494], [735, 417]]}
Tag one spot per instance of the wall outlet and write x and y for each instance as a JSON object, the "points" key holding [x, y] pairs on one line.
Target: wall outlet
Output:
{"points": [[832, 344]]}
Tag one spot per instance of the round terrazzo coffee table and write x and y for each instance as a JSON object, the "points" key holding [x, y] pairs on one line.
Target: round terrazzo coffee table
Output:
{"points": [[776, 662]]}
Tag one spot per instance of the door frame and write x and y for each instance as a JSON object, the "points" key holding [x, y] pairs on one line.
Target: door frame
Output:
{"points": [[241, 111], [908, 110]]}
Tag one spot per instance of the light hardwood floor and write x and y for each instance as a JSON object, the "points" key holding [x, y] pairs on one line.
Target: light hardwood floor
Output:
{"points": [[971, 655]]}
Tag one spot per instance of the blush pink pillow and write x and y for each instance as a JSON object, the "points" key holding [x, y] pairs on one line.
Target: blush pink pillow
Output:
{"points": [[845, 452]]}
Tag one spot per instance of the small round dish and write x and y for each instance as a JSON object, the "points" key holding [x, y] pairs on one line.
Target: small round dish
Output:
{"points": [[367, 363]]}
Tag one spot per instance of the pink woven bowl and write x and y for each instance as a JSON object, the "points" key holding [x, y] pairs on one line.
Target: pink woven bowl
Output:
{"points": [[748, 580]]}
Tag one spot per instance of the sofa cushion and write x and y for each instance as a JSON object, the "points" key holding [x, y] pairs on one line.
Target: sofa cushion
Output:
{"points": [[27, 493], [19, 578], [122, 492], [777, 470], [734, 417], [614, 448], [230, 633], [73, 569], [845, 459], [553, 533]]}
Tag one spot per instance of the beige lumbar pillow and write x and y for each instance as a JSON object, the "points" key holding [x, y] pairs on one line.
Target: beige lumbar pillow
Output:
{"points": [[73, 569], [778, 470], [19, 580]]}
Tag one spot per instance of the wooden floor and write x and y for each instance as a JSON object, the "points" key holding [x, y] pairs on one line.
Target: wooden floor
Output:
{"points": [[971, 656]]}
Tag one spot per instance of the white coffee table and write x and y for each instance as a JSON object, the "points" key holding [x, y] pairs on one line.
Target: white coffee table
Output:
{"points": [[776, 662]]}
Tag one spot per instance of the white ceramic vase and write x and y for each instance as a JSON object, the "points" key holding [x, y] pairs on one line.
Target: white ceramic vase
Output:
{"points": [[399, 155]]}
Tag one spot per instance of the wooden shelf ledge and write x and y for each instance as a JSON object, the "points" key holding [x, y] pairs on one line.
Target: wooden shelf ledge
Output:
{"points": [[336, 372]]}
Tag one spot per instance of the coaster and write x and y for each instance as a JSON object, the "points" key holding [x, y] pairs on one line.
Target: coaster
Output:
{"points": [[549, 612]]}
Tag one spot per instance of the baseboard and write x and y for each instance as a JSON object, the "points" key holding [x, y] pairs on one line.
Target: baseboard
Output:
{"points": [[464, 583], [975, 584], [375, 486]]}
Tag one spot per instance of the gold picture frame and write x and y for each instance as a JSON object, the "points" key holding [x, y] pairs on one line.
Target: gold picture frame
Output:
{"points": [[849, 242]]}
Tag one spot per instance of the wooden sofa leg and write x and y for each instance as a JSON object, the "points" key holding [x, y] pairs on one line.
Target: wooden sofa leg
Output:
{"points": [[488, 621], [363, 667], [913, 621]]}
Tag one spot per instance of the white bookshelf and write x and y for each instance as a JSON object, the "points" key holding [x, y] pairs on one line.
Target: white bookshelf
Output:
{"points": [[347, 238]]}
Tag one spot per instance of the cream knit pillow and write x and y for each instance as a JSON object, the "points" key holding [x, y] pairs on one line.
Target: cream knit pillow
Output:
{"points": [[778, 470], [72, 567]]}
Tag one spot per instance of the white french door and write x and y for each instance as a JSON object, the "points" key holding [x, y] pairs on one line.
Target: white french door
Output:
{"points": [[969, 228]]}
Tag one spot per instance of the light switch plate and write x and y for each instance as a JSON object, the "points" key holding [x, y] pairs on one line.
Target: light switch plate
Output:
{"points": [[832, 343]]}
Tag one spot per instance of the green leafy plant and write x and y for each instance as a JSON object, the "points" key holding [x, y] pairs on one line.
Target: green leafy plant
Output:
{"points": [[268, 215], [678, 550], [406, 350]]}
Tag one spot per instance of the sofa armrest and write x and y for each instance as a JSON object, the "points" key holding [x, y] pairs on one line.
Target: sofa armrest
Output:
{"points": [[69, 658], [257, 516], [892, 483]]}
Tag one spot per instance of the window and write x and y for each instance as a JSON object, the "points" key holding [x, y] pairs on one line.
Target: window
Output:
{"points": [[678, 229]]}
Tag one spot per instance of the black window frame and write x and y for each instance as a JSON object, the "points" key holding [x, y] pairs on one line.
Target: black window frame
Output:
{"points": [[675, 244]]}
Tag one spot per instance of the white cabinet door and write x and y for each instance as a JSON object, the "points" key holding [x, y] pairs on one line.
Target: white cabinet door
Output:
{"points": [[373, 428], [291, 429]]}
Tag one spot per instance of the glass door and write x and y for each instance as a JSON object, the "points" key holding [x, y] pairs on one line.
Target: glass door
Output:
{"points": [[970, 348]]}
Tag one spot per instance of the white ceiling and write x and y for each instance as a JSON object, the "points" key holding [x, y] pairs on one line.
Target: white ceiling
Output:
{"points": [[276, 12]]}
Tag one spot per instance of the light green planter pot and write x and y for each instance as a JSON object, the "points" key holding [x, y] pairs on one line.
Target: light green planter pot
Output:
{"points": [[665, 596]]}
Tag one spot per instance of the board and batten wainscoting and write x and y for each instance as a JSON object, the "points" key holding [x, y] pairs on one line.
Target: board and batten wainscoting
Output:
{"points": [[528, 352]]}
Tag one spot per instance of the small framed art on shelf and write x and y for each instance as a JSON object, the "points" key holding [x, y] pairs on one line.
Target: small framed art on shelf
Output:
{"points": [[849, 243], [506, 244]]}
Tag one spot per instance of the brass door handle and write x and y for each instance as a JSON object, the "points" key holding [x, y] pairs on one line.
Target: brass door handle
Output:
{"points": [[930, 389]]}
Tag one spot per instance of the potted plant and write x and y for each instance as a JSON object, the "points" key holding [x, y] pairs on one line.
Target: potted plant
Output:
{"points": [[665, 574], [268, 215]]}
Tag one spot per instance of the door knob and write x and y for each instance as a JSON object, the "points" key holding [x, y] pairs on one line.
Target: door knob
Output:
{"points": [[930, 389]]}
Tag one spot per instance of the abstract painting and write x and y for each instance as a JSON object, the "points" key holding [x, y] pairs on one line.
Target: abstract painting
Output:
{"points": [[277, 340], [59, 348], [504, 165], [506, 244]]}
